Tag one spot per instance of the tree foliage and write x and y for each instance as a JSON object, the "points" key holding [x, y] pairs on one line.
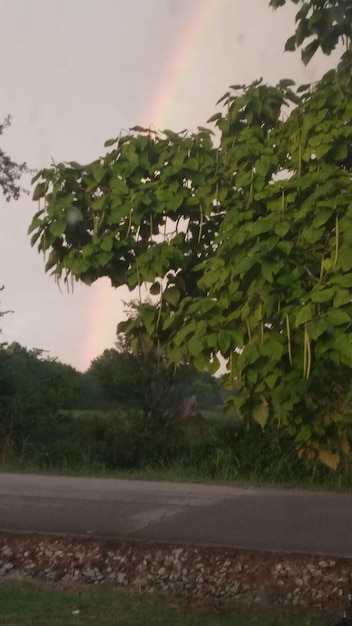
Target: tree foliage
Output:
{"points": [[245, 244], [2, 313], [33, 390], [325, 23], [10, 171], [147, 382]]}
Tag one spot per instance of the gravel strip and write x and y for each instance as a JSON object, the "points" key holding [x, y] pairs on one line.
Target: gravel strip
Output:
{"points": [[224, 575]]}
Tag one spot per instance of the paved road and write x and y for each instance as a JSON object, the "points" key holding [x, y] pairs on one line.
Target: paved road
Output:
{"points": [[257, 518]]}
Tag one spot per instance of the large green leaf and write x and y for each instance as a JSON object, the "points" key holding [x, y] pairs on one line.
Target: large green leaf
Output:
{"points": [[336, 317], [40, 191], [304, 315], [172, 295], [261, 414]]}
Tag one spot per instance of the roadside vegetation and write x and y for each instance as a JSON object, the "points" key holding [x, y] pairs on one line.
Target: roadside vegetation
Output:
{"points": [[122, 418], [25, 605]]}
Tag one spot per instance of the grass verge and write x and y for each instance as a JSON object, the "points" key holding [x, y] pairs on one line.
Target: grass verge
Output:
{"points": [[26, 605], [177, 472]]}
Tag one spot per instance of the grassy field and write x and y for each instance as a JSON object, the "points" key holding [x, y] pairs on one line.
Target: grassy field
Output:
{"points": [[25, 605]]}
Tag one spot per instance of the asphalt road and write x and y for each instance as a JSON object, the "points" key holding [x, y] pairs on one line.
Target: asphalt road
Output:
{"points": [[258, 518]]}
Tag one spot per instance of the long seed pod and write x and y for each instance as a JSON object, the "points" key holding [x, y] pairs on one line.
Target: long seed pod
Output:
{"points": [[249, 331], [250, 196], [151, 225], [139, 284], [159, 311], [95, 225], [337, 241], [299, 161], [307, 360], [304, 355], [309, 355], [201, 221], [129, 224], [261, 321], [289, 340]]}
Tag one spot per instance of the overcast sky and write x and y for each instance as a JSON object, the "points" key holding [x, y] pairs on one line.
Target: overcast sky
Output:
{"points": [[76, 72]]}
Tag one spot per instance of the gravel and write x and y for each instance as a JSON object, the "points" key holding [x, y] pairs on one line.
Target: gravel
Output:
{"points": [[224, 575]]}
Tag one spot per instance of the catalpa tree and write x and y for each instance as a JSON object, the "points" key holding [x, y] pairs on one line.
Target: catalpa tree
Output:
{"points": [[245, 242]]}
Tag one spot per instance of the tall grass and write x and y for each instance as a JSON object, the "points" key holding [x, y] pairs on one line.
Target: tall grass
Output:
{"points": [[222, 450]]}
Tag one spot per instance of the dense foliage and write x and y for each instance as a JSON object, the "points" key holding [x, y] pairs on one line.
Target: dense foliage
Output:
{"points": [[149, 384], [245, 244], [325, 23], [33, 390]]}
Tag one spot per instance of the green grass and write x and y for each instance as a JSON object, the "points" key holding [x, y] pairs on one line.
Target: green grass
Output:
{"points": [[224, 452], [180, 473], [26, 605]]}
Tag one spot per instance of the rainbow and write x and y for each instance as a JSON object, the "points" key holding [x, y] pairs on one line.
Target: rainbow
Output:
{"points": [[175, 75]]}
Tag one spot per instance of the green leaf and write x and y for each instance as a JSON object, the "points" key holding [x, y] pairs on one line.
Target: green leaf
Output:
{"points": [[195, 345], [140, 129], [36, 223], [329, 458], [214, 118], [119, 186], [224, 341], [322, 217], [342, 297], [322, 295], [271, 348], [336, 317], [155, 289], [57, 227], [261, 414], [316, 328], [290, 44], [40, 191], [110, 142], [286, 82], [107, 243], [344, 257], [309, 51], [35, 238], [304, 315], [282, 228], [172, 295], [343, 280], [267, 271], [98, 173], [340, 152]]}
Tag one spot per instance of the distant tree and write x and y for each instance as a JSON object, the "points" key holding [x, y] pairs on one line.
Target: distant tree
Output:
{"points": [[10, 171], [34, 390], [2, 313], [144, 379], [10, 174]]}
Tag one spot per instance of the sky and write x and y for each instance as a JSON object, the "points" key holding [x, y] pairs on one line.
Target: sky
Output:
{"points": [[77, 72]]}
